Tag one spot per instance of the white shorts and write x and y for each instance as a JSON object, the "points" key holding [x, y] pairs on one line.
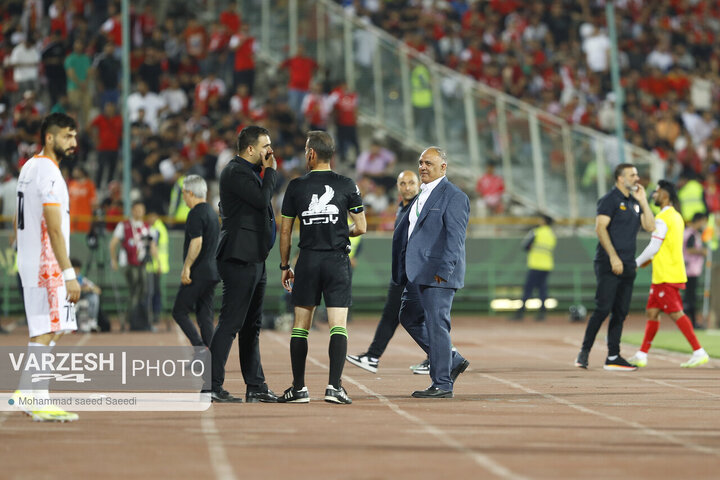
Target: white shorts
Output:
{"points": [[48, 311]]}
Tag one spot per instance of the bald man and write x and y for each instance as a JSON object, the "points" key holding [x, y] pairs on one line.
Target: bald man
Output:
{"points": [[408, 187], [429, 257]]}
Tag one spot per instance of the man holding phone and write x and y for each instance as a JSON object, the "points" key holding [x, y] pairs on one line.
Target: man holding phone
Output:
{"points": [[619, 215], [246, 237]]}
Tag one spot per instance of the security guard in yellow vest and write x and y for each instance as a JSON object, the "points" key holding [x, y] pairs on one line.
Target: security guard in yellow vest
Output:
{"points": [[540, 244], [158, 267], [692, 199], [421, 97], [178, 209]]}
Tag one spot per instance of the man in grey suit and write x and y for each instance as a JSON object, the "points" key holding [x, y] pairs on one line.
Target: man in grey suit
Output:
{"points": [[429, 254]]}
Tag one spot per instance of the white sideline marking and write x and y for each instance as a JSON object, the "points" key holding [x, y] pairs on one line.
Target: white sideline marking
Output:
{"points": [[218, 456], [667, 384], [646, 430], [480, 459]]}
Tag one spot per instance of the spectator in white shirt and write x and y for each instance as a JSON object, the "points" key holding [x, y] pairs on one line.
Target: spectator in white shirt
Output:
{"points": [[597, 50], [25, 60], [174, 97], [661, 57], [146, 100]]}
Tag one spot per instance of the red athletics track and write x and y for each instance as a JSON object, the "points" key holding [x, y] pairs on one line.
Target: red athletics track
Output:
{"points": [[520, 411]]}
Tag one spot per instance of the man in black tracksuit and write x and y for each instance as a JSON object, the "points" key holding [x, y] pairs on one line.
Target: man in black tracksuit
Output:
{"points": [[620, 213]]}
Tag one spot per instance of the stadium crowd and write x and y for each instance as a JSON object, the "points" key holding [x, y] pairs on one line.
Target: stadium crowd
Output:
{"points": [[194, 86]]}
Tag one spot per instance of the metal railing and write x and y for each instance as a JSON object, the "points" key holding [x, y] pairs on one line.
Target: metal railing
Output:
{"points": [[547, 163]]}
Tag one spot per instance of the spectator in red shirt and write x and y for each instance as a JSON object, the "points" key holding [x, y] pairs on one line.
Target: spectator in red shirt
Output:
{"points": [[490, 188], [243, 45], [301, 69], [108, 132], [196, 40], [314, 108], [209, 87], [344, 104]]}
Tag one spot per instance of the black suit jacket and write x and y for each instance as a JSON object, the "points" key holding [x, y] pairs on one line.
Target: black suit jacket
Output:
{"points": [[246, 211]]}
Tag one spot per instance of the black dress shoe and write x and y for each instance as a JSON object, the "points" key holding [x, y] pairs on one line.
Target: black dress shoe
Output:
{"points": [[267, 396], [433, 392], [223, 396], [461, 367]]}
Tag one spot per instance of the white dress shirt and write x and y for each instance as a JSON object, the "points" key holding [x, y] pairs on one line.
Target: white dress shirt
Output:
{"points": [[415, 209]]}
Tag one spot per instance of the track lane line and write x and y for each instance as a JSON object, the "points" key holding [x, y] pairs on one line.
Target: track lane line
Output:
{"points": [[218, 454], [480, 459]]}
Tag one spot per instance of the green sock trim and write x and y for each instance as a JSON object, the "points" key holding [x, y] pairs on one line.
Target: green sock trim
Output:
{"points": [[299, 333], [339, 331]]}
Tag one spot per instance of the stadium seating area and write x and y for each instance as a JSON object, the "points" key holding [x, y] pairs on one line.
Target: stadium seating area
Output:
{"points": [[195, 83]]}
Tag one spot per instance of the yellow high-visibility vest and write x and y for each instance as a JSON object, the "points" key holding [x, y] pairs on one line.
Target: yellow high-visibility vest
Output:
{"points": [[540, 256], [421, 87], [161, 264], [691, 199]]}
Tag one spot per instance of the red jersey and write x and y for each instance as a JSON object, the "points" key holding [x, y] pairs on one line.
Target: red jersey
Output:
{"points": [[345, 105], [301, 71], [489, 185], [244, 54], [109, 132]]}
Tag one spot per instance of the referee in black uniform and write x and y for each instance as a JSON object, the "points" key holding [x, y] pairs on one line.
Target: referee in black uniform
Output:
{"points": [[619, 216], [321, 200]]}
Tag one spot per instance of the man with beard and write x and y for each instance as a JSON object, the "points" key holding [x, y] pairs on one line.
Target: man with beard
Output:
{"points": [[50, 287], [665, 251], [619, 216]]}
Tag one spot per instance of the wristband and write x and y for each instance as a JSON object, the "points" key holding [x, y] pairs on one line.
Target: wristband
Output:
{"points": [[284, 267], [69, 274]]}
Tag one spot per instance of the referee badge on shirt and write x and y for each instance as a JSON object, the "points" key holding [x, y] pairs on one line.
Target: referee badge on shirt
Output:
{"points": [[637, 208], [622, 206]]}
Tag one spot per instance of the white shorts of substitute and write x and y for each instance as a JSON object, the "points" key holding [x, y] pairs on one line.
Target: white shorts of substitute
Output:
{"points": [[48, 311]]}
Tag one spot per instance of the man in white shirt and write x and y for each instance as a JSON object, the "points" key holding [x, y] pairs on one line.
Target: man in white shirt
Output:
{"points": [[50, 287], [25, 60], [429, 254], [597, 51], [150, 102]]}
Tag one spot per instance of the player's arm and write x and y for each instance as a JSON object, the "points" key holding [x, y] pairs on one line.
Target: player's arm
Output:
{"points": [[647, 219], [53, 220], [193, 251], [359, 225], [601, 229], [653, 247], [288, 275]]}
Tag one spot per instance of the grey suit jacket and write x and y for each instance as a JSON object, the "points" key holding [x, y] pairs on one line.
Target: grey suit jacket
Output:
{"points": [[437, 243]]}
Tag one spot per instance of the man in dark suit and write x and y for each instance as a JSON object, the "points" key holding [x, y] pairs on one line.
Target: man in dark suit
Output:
{"points": [[429, 254], [247, 235]]}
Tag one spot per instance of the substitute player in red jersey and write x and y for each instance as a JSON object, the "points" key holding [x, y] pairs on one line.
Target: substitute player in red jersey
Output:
{"points": [[50, 288], [668, 276]]}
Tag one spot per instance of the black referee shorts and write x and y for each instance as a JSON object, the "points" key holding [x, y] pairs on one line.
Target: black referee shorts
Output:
{"points": [[325, 273]]}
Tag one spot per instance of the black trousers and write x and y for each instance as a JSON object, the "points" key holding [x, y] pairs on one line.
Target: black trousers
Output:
{"points": [[536, 279], [197, 297], [388, 321], [107, 160], [690, 300], [612, 297], [241, 315]]}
